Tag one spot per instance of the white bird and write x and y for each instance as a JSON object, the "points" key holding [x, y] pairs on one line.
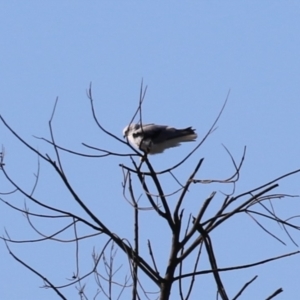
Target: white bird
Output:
{"points": [[153, 139]]}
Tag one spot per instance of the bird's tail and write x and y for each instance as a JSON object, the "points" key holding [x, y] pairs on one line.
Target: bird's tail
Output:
{"points": [[185, 135]]}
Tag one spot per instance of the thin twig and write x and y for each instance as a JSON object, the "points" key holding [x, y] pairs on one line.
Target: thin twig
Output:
{"points": [[55, 289], [244, 287], [277, 292]]}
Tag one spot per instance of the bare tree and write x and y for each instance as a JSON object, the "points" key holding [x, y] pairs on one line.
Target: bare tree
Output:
{"points": [[190, 233]]}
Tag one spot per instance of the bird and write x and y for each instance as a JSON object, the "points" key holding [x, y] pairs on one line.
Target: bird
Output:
{"points": [[154, 139]]}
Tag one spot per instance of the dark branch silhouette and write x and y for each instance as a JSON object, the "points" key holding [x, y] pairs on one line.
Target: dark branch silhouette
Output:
{"points": [[190, 232]]}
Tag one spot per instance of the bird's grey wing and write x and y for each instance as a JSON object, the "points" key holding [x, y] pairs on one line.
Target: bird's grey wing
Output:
{"points": [[155, 139], [162, 133], [150, 132]]}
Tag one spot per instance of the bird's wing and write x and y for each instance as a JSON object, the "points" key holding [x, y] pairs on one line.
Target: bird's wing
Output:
{"points": [[149, 132], [154, 139], [162, 133]]}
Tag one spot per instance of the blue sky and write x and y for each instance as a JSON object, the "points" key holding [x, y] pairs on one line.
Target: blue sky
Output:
{"points": [[189, 55]]}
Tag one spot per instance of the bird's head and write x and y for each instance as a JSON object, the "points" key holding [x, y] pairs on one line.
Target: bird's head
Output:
{"points": [[128, 129], [125, 132]]}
